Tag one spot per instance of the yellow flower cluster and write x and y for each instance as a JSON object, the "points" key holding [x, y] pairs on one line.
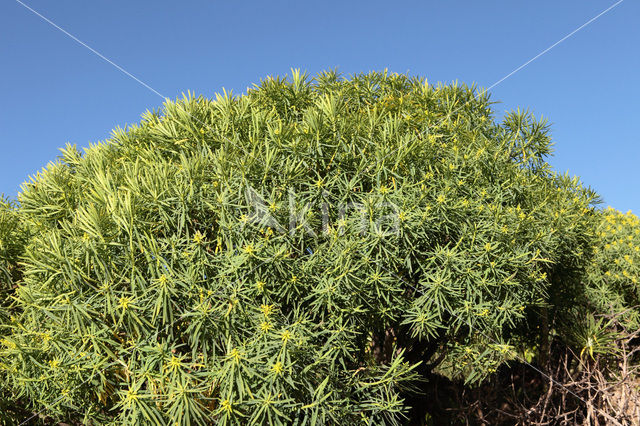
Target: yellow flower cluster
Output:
{"points": [[619, 252], [277, 368]]}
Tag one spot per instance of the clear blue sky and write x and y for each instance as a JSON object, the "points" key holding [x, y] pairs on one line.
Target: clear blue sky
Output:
{"points": [[56, 91]]}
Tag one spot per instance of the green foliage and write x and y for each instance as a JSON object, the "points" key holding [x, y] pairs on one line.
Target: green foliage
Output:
{"points": [[298, 254], [12, 239], [592, 336], [613, 277]]}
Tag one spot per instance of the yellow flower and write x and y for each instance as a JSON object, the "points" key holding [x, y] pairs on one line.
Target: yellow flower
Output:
{"points": [[132, 395], [198, 237], [441, 199], [265, 326], [248, 249], [124, 303], [234, 355], [286, 335], [277, 368], [174, 364], [260, 285], [266, 309], [226, 406]]}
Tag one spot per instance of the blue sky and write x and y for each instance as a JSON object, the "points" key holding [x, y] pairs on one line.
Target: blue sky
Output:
{"points": [[56, 91]]}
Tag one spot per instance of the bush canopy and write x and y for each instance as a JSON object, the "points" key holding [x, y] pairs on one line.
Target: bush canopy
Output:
{"points": [[310, 252]]}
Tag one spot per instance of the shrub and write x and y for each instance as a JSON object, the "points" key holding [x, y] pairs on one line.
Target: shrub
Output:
{"points": [[613, 277], [12, 240], [305, 253]]}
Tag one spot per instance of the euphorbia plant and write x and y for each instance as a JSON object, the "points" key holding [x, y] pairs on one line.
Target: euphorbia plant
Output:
{"points": [[304, 253]]}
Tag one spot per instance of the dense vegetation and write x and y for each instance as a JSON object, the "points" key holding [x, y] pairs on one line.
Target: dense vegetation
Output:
{"points": [[315, 251]]}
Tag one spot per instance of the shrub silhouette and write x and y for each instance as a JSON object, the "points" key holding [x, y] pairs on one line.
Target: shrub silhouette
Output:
{"points": [[305, 253]]}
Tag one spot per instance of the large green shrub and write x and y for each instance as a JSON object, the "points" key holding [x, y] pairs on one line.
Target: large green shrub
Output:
{"points": [[305, 253]]}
